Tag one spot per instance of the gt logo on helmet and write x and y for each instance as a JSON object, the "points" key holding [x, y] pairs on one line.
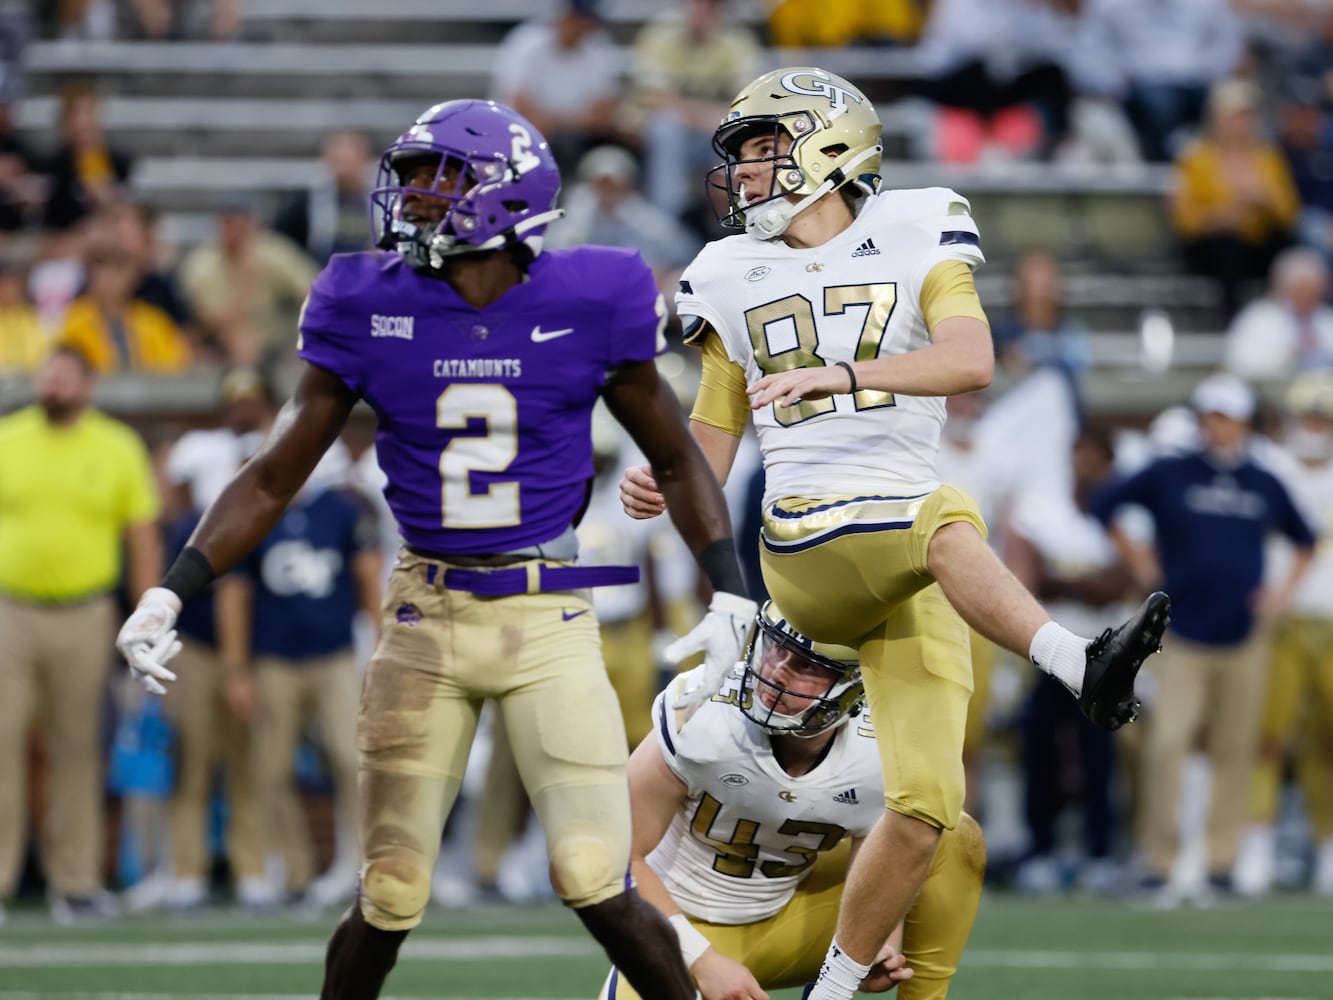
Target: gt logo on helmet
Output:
{"points": [[816, 87]]}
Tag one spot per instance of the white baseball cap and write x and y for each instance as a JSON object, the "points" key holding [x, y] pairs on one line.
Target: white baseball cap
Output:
{"points": [[1225, 394]]}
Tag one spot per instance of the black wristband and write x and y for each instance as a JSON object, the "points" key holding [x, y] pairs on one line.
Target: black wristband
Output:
{"points": [[189, 574], [719, 563], [847, 367]]}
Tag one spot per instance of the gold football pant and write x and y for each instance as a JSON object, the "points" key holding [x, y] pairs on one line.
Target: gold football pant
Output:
{"points": [[442, 653], [788, 948], [1299, 706], [854, 572]]}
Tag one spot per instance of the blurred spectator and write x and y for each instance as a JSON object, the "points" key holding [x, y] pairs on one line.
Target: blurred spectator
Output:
{"points": [[1162, 57], [688, 64], [1064, 556], [116, 331], [1233, 203], [91, 20], [24, 341], [1306, 140], [1315, 63], [74, 487], [994, 63], [800, 24], [158, 19], [563, 75], [605, 207], [86, 172], [285, 633], [20, 181], [246, 285], [22, 186], [1291, 328], [132, 227], [1212, 510], [210, 731], [212, 741], [1299, 704], [331, 217], [1039, 332]]}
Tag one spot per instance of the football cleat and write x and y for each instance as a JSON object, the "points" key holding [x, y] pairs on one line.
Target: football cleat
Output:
{"points": [[1113, 661]]}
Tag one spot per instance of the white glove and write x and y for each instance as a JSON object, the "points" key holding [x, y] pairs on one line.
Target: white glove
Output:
{"points": [[148, 640], [721, 637]]}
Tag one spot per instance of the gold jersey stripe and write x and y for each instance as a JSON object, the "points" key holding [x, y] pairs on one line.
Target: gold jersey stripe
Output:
{"points": [[794, 524]]}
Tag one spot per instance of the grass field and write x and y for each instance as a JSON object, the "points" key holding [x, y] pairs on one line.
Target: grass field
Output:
{"points": [[1066, 950]]}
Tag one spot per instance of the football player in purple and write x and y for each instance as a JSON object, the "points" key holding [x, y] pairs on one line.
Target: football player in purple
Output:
{"points": [[482, 358]]}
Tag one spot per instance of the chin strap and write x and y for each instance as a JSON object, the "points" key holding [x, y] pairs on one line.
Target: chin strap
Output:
{"points": [[770, 219]]}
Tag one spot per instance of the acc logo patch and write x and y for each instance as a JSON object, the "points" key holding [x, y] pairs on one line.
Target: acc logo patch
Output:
{"points": [[408, 614], [757, 273], [734, 780]]}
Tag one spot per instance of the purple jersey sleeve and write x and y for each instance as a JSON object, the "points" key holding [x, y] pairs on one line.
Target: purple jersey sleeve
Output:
{"points": [[325, 335], [639, 318]]}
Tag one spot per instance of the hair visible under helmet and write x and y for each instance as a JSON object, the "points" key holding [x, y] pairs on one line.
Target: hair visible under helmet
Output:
{"points": [[842, 698], [835, 133]]}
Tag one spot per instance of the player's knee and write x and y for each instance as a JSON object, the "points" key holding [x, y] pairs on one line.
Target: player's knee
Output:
{"points": [[584, 871], [394, 893]]}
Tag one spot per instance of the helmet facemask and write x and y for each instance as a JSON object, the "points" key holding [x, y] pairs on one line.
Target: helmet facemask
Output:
{"points": [[793, 689]]}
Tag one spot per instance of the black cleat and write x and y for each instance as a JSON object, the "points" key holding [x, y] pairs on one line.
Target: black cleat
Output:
{"points": [[1113, 661]]}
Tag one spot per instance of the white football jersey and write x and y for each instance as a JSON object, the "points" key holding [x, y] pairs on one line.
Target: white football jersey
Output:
{"points": [[856, 297], [749, 831]]}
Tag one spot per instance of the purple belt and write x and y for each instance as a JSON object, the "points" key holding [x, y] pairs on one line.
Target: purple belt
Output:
{"points": [[531, 578]]}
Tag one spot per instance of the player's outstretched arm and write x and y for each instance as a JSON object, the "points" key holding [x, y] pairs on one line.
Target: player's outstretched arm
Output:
{"points": [[238, 520], [254, 500]]}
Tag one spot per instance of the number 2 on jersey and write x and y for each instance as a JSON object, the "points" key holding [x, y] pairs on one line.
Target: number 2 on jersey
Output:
{"points": [[879, 298], [496, 408]]}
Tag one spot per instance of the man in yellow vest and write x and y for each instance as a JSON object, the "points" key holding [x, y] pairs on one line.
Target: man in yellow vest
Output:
{"points": [[74, 486]]}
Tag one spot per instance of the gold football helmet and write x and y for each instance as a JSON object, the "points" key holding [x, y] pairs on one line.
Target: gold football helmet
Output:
{"points": [[1311, 393], [797, 687], [835, 140]]}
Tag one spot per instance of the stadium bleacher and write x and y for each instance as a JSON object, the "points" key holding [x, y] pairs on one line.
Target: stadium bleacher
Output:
{"points": [[205, 119]]}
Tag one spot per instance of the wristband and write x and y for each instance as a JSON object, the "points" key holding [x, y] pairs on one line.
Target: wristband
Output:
{"points": [[189, 574], [718, 562], [847, 367], [692, 943]]}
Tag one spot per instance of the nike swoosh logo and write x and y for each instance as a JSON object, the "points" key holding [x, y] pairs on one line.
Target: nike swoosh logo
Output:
{"points": [[540, 336], [566, 616]]}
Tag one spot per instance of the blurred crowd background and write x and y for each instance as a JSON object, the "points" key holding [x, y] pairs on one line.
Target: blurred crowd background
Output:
{"points": [[1153, 181]]}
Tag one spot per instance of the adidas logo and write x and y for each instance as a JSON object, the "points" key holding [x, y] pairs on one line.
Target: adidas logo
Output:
{"points": [[866, 249], [847, 798]]}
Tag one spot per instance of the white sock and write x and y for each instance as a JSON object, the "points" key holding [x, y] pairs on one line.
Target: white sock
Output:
{"points": [[1061, 654], [839, 977]]}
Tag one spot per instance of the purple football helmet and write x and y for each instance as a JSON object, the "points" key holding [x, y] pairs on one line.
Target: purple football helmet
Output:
{"points": [[502, 184]]}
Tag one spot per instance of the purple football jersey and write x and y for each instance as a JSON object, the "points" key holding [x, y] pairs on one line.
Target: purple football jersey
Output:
{"points": [[484, 414]]}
